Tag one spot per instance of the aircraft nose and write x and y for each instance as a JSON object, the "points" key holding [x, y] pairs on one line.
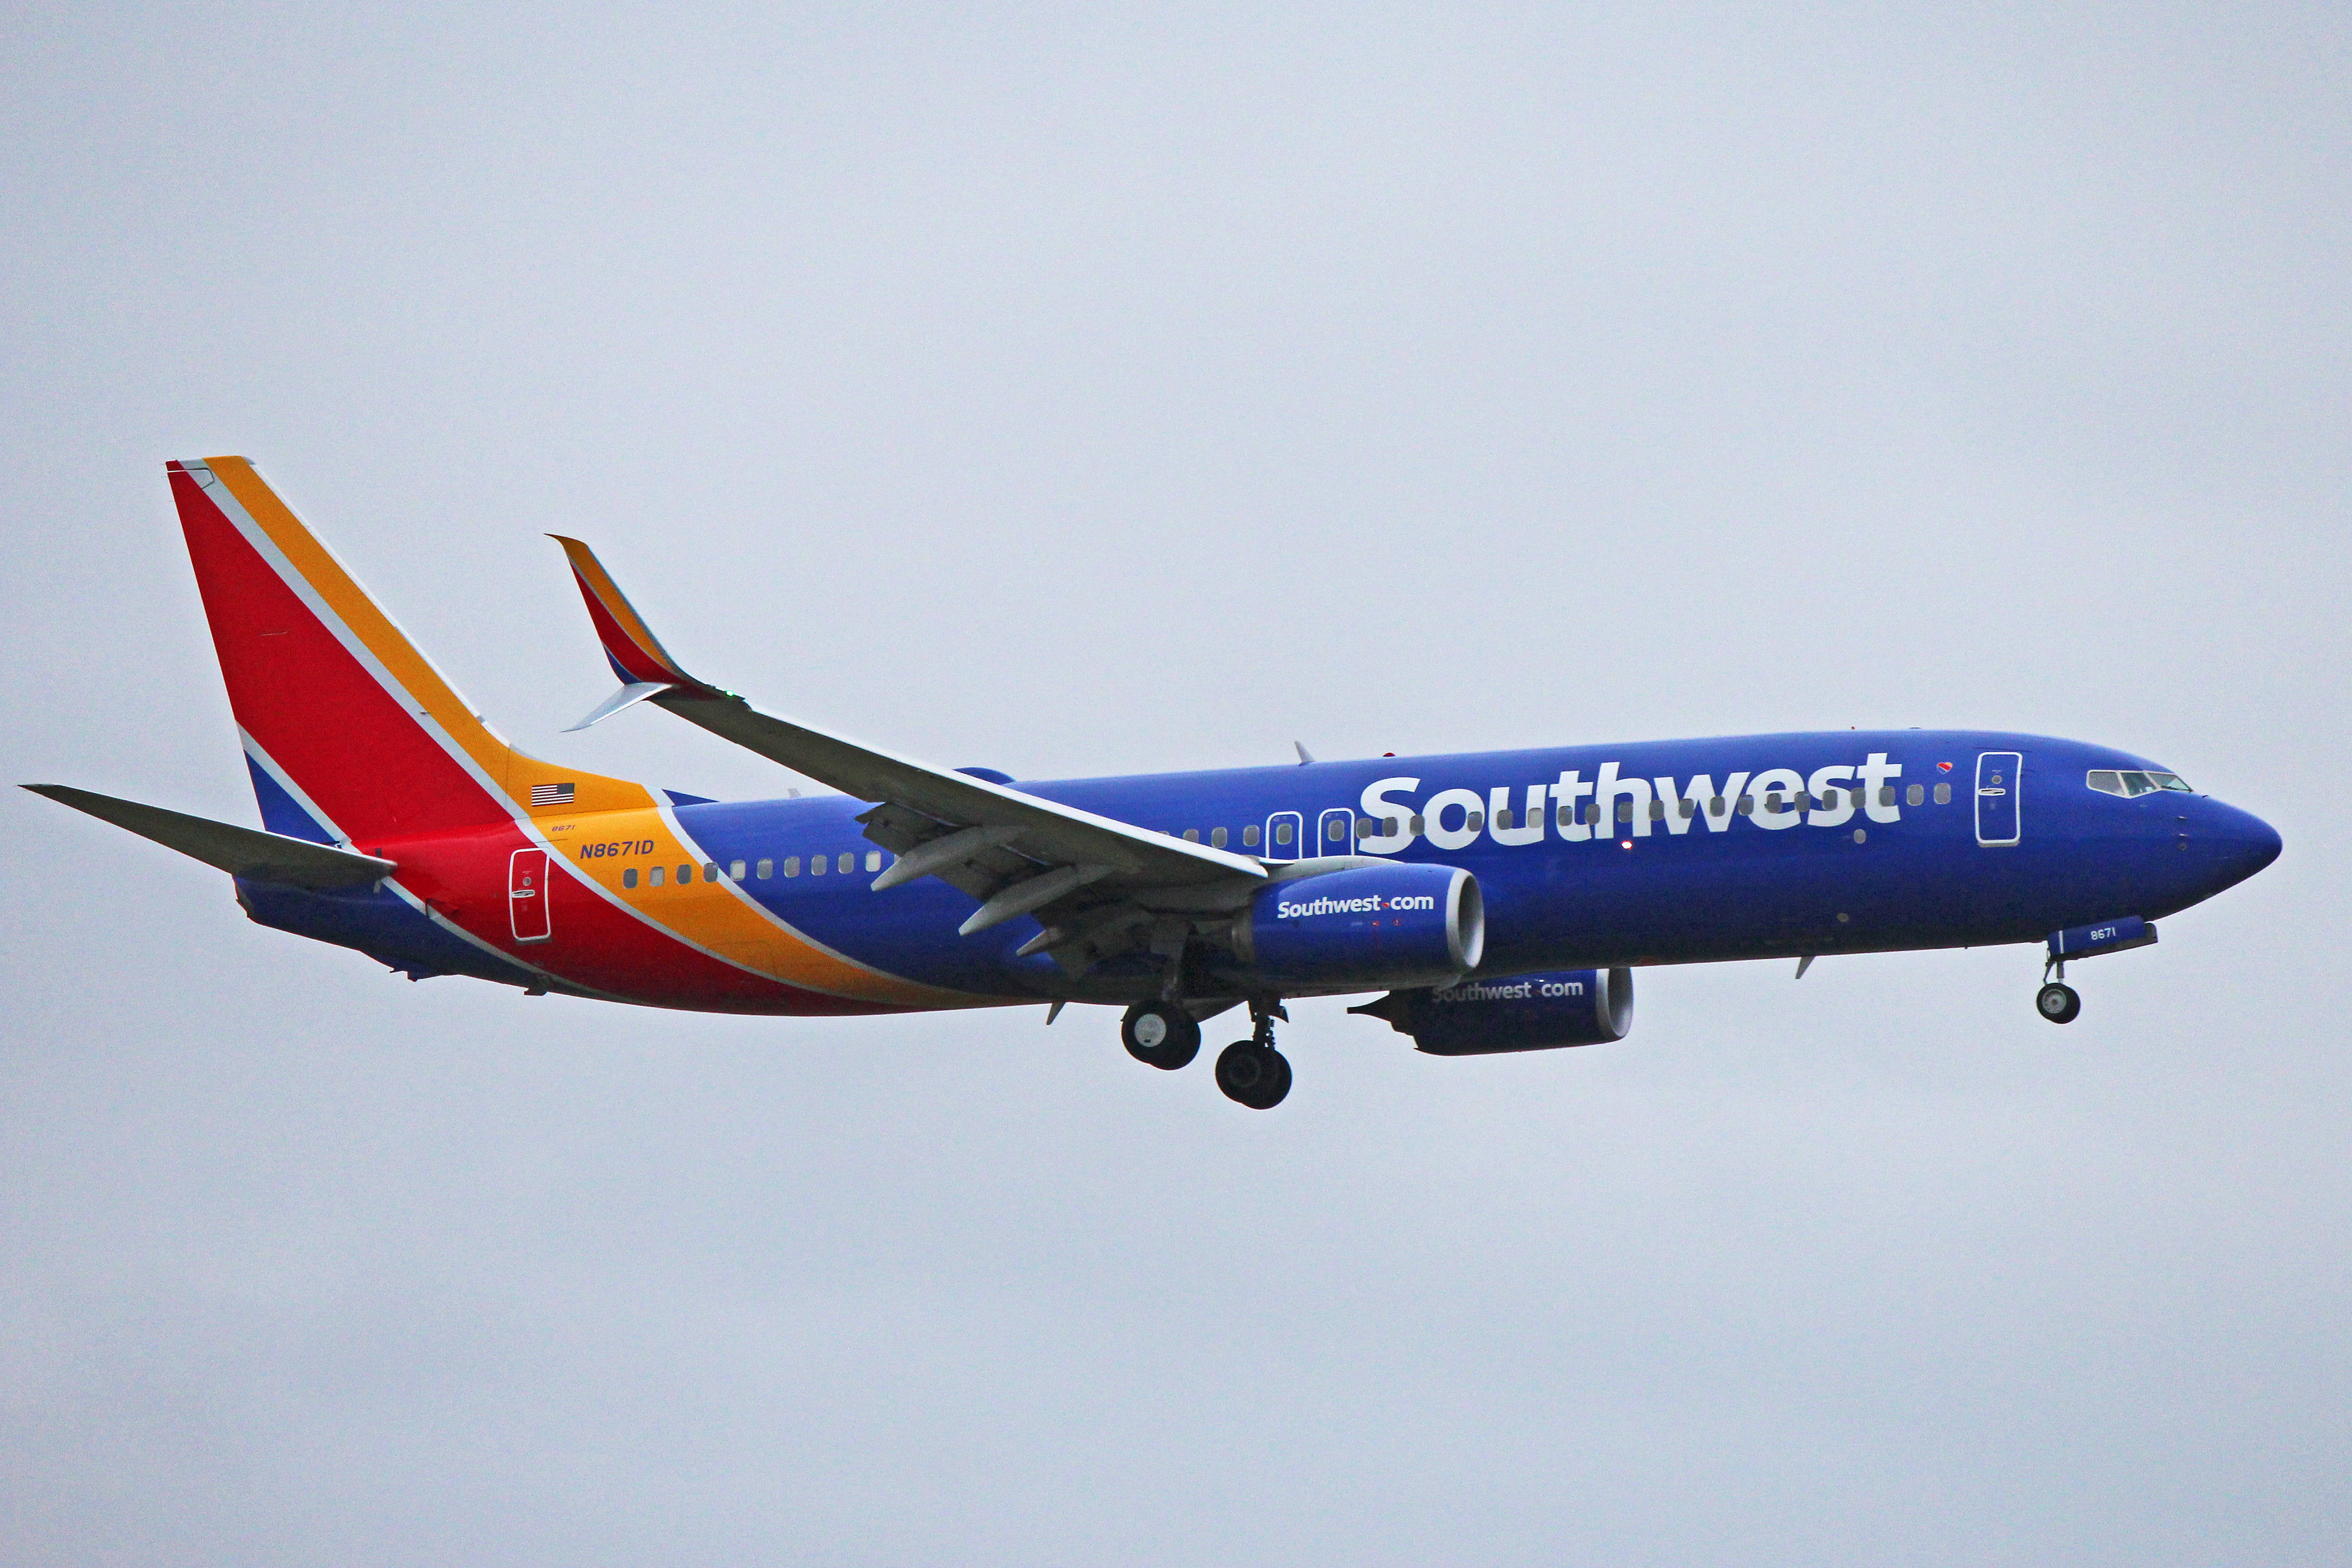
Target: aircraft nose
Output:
{"points": [[2237, 844]]}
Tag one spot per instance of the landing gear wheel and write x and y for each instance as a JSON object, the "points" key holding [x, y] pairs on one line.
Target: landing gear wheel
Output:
{"points": [[2058, 1003], [1254, 1075], [1160, 1034]]}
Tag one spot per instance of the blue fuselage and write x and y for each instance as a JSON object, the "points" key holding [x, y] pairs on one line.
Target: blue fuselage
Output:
{"points": [[1747, 846]]}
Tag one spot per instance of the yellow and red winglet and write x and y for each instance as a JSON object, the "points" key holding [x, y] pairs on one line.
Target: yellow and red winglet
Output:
{"points": [[635, 655]]}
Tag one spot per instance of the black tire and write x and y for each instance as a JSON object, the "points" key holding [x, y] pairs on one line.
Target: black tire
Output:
{"points": [[1274, 1091], [1160, 1034], [2058, 1003], [1254, 1075]]}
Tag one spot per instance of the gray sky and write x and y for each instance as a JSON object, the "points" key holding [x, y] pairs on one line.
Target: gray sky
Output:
{"points": [[1071, 393]]}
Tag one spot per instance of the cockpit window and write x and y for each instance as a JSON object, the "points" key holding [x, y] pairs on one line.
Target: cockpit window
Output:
{"points": [[2128, 781]]}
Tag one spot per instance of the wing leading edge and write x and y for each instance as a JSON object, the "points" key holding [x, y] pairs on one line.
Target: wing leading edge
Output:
{"points": [[1099, 885]]}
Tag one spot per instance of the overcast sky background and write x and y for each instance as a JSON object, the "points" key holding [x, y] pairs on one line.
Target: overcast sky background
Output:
{"points": [[1070, 393]]}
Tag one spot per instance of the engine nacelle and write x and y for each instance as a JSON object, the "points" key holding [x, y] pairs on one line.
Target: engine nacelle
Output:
{"points": [[1523, 1013], [1376, 925]]}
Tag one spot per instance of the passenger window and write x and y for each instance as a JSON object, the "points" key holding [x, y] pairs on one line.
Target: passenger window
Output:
{"points": [[791, 865], [629, 878], [1747, 806], [654, 877], [1474, 821], [1559, 819], [819, 865], [1216, 838], [1366, 827], [1249, 837], [767, 870], [1690, 809], [735, 872], [1281, 833], [1657, 810], [1335, 830], [1192, 835], [1943, 794], [1503, 818], [1915, 796], [685, 875], [1715, 806], [1593, 814], [848, 864], [873, 860], [1414, 824], [710, 870]]}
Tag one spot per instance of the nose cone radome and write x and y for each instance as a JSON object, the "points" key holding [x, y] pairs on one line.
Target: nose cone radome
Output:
{"points": [[2236, 844]]}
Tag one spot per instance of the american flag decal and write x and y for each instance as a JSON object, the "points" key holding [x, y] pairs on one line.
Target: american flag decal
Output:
{"points": [[550, 794]]}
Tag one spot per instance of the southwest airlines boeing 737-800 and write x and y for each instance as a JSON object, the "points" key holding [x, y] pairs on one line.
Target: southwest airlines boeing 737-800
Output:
{"points": [[1498, 901]]}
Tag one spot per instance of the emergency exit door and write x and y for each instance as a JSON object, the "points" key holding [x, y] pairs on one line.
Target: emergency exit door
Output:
{"points": [[1335, 833], [1998, 773], [527, 895]]}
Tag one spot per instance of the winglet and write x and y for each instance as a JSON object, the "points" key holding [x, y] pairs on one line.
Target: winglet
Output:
{"points": [[637, 655], [629, 695]]}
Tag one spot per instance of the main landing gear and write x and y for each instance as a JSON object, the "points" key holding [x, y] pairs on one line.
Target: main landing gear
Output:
{"points": [[1251, 1072], [1161, 1034]]}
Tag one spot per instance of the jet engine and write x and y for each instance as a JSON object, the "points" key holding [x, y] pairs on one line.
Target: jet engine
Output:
{"points": [[1522, 1013], [1373, 925]]}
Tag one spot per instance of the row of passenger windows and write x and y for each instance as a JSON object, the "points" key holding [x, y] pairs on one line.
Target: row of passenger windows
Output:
{"points": [[2125, 782], [844, 863], [1335, 830]]}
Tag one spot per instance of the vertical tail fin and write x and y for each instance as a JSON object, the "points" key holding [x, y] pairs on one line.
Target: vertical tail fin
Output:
{"points": [[351, 734]]}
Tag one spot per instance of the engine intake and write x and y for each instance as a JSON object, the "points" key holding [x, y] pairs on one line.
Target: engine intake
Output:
{"points": [[1522, 1013], [1397, 925]]}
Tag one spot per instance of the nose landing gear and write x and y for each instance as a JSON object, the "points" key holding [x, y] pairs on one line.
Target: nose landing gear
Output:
{"points": [[2056, 1000]]}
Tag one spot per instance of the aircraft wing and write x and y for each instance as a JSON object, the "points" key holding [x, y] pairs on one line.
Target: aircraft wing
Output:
{"points": [[240, 851], [1017, 852]]}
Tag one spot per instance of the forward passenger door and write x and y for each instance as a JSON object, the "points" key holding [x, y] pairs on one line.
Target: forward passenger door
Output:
{"points": [[1998, 775]]}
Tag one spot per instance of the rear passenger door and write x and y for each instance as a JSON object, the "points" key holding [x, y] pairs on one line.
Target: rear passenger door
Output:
{"points": [[527, 896]]}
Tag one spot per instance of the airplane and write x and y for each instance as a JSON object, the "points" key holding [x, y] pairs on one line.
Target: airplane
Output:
{"points": [[1496, 901]]}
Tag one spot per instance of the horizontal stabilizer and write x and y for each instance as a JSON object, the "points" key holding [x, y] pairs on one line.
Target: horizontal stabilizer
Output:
{"points": [[240, 851]]}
